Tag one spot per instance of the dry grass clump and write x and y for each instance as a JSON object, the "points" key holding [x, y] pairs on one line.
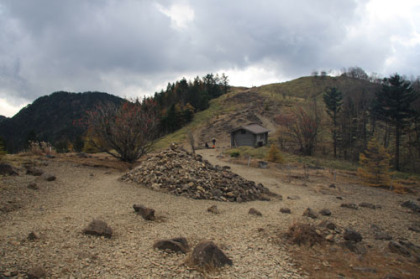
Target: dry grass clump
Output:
{"points": [[306, 234]]}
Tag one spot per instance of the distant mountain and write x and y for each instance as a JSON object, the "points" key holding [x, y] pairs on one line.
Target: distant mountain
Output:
{"points": [[50, 118]]}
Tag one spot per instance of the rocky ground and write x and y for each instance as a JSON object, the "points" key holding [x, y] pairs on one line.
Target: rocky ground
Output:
{"points": [[42, 222]]}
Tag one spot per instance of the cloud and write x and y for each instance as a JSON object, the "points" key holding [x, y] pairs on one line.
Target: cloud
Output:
{"points": [[131, 47]]}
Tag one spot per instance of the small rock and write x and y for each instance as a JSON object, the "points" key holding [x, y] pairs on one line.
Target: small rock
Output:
{"points": [[325, 212], [293, 198], [36, 273], [365, 269], [349, 205], [255, 212], [207, 255], [369, 205], [34, 171], [352, 235], [177, 245], [391, 276], [332, 185], [414, 227], [49, 177], [310, 213], [213, 209], [146, 213], [329, 225], [380, 234], [6, 169], [32, 236], [285, 210], [397, 248], [98, 228], [330, 238], [339, 198], [33, 186], [411, 205]]}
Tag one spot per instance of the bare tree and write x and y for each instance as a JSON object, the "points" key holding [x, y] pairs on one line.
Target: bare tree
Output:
{"points": [[124, 131], [301, 128]]}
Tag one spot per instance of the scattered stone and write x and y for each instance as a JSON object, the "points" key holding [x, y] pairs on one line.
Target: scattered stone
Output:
{"points": [[181, 173], [379, 233], [303, 233], [49, 177], [365, 269], [98, 228], [262, 164], [213, 209], [310, 213], [177, 245], [405, 248], [330, 238], [349, 205], [397, 248], [32, 236], [411, 205], [352, 235], [415, 227], [332, 186], [255, 212], [325, 212], [146, 213], [82, 155], [327, 224], [293, 198], [36, 273], [285, 210], [33, 186], [369, 205], [6, 169], [33, 171], [355, 247], [339, 198], [391, 276], [208, 256]]}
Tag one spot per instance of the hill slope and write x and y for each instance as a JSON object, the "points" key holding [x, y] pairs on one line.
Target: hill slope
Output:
{"points": [[51, 117]]}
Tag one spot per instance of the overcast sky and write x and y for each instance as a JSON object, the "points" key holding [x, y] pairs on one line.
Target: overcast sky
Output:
{"points": [[133, 48]]}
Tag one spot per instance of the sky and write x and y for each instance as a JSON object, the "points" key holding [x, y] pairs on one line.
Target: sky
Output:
{"points": [[133, 48]]}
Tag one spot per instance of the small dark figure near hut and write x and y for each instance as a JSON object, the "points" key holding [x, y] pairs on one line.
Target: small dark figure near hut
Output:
{"points": [[214, 142]]}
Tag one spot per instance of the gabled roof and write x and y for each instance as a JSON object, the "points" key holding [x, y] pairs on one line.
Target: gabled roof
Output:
{"points": [[253, 128]]}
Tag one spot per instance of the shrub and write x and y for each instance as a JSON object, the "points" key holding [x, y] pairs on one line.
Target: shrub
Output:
{"points": [[300, 233], [274, 155], [234, 154]]}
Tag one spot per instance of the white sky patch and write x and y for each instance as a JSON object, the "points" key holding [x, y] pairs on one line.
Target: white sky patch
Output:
{"points": [[252, 76], [9, 110], [180, 14]]}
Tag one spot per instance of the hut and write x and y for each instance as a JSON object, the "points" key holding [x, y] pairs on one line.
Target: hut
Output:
{"points": [[249, 135]]}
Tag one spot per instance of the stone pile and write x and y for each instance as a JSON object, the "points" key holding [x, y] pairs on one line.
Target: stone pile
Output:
{"points": [[181, 173]]}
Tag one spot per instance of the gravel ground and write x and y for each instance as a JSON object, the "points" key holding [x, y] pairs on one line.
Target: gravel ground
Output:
{"points": [[61, 209]]}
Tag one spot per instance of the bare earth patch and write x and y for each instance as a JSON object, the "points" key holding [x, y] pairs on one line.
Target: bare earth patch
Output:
{"points": [[84, 189]]}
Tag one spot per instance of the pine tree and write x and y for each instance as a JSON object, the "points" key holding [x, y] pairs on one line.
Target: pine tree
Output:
{"points": [[374, 165], [393, 104], [274, 155], [333, 100], [2, 148]]}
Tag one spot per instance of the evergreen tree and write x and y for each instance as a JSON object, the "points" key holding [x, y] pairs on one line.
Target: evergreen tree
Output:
{"points": [[374, 165], [393, 104], [333, 100], [2, 148]]}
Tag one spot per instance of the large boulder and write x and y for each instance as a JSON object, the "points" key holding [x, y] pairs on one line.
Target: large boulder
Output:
{"points": [[98, 228], [177, 245], [208, 255], [145, 212]]}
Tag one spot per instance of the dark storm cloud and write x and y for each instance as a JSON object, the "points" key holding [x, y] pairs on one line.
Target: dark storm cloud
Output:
{"points": [[132, 47]]}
